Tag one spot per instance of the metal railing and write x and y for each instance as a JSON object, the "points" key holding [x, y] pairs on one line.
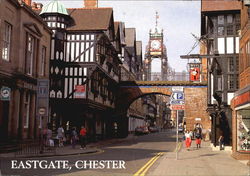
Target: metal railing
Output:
{"points": [[34, 148]]}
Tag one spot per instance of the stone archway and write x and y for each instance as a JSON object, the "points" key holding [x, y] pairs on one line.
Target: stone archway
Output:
{"points": [[195, 99]]}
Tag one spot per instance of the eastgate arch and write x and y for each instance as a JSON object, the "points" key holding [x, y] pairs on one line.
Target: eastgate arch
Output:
{"points": [[131, 90]]}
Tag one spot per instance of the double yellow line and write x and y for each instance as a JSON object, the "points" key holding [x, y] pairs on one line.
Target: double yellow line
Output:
{"points": [[145, 168]]}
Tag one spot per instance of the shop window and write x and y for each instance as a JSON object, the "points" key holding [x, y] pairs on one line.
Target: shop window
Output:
{"points": [[243, 130], [6, 41]]}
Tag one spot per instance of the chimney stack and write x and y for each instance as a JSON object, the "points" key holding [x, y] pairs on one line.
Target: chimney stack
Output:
{"points": [[27, 2], [36, 6], [90, 3]]}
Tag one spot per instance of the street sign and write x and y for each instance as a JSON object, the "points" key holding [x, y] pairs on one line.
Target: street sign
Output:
{"points": [[42, 111], [42, 101], [177, 89], [177, 107], [80, 91], [177, 96], [177, 102], [5, 93]]}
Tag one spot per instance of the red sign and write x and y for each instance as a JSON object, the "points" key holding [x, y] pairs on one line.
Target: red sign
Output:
{"points": [[195, 74], [177, 107], [80, 91]]}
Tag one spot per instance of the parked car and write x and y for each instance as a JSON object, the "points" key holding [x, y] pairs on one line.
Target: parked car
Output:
{"points": [[140, 130], [153, 129]]}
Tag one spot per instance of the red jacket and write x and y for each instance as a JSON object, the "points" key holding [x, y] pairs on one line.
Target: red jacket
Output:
{"points": [[83, 132]]}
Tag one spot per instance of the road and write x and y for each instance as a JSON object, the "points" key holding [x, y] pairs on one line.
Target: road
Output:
{"points": [[130, 157]]}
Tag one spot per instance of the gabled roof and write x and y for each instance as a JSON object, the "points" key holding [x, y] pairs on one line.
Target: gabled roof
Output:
{"points": [[90, 18], [116, 23], [130, 37], [54, 7]]}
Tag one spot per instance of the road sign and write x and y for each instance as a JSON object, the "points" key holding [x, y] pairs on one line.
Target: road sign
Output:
{"points": [[177, 102], [177, 96], [177, 107], [5, 93], [42, 101], [177, 89], [42, 111]]}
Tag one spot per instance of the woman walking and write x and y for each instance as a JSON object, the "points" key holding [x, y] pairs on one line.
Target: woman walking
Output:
{"points": [[188, 139]]}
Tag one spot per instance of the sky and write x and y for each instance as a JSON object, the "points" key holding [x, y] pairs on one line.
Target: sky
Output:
{"points": [[177, 18]]}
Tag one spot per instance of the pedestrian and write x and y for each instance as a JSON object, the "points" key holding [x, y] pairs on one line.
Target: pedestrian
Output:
{"points": [[50, 141], [198, 136], [44, 139], [221, 142], [74, 137], [198, 140], [83, 133], [60, 136], [188, 139]]}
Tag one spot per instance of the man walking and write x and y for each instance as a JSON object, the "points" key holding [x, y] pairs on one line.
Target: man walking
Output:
{"points": [[198, 136], [83, 137]]}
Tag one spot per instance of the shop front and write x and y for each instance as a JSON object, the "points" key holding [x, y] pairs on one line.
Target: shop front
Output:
{"points": [[241, 124]]}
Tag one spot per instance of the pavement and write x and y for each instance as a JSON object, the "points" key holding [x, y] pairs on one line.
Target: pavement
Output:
{"points": [[202, 161], [68, 150]]}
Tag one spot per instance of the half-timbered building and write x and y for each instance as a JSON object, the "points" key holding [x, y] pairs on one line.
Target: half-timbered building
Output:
{"points": [[220, 23], [84, 68]]}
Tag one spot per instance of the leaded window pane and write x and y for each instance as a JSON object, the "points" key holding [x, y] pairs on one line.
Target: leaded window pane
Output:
{"points": [[220, 19], [6, 41]]}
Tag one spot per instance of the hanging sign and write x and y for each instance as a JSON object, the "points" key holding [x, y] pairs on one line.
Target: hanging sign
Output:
{"points": [[195, 74], [80, 91]]}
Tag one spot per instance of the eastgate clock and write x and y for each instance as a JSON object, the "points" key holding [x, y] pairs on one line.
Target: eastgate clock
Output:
{"points": [[155, 44]]}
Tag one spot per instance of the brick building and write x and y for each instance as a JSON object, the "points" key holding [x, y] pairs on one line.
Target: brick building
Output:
{"points": [[241, 102], [25, 49]]}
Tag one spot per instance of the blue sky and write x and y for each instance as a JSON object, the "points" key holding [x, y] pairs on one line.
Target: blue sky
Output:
{"points": [[177, 18]]}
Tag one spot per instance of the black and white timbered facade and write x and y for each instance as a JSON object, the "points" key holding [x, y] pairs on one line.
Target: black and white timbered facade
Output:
{"points": [[84, 69], [220, 30]]}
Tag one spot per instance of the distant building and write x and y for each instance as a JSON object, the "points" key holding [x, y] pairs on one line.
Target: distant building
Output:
{"points": [[130, 51], [24, 59]]}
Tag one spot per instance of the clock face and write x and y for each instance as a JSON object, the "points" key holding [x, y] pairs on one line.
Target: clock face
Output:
{"points": [[155, 44]]}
